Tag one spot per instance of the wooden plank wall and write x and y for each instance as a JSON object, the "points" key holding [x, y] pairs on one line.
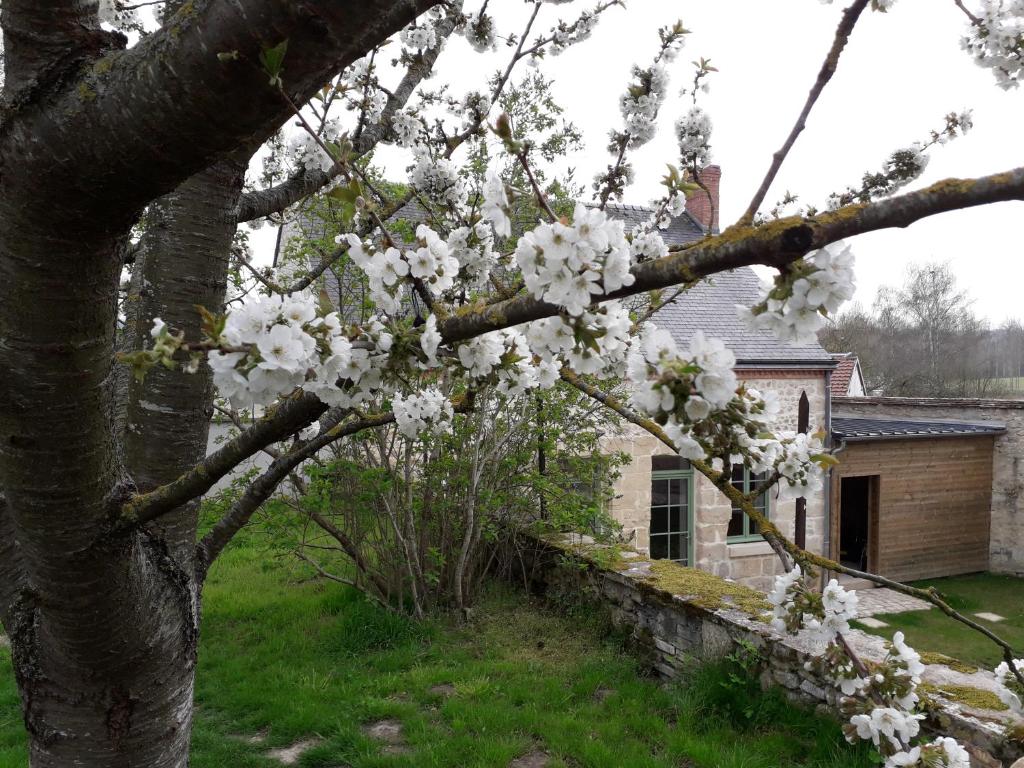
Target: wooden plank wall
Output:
{"points": [[935, 497]]}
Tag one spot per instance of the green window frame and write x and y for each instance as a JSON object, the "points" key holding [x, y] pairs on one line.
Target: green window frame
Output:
{"points": [[741, 527], [671, 521]]}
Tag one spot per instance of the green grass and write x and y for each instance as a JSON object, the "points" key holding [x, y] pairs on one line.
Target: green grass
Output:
{"points": [[293, 658], [935, 632]]}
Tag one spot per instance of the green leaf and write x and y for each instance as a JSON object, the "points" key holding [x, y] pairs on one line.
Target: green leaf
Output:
{"points": [[272, 60]]}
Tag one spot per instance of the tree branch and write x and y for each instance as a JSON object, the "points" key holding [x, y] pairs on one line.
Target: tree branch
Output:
{"points": [[182, 98], [775, 244], [828, 68], [264, 486], [264, 202], [286, 419]]}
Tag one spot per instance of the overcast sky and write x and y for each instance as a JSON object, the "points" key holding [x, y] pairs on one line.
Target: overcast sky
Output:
{"points": [[901, 73]]}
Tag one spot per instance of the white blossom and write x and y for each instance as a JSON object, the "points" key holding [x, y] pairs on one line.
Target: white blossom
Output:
{"points": [[420, 413], [438, 179], [496, 207], [568, 265], [419, 37], [1004, 680], [795, 309], [997, 41], [693, 131], [406, 127]]}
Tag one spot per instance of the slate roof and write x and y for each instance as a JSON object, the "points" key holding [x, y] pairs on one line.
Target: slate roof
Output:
{"points": [[710, 306], [846, 364], [869, 430]]}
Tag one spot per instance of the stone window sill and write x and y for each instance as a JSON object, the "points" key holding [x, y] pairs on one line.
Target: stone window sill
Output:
{"points": [[750, 549]]}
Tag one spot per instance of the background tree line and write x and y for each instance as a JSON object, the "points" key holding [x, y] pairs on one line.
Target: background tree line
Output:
{"points": [[925, 339]]}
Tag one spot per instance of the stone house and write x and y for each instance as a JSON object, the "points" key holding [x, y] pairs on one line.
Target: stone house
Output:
{"points": [[669, 510], [666, 508], [924, 488]]}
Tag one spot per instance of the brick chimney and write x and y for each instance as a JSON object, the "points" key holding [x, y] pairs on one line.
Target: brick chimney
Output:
{"points": [[698, 204]]}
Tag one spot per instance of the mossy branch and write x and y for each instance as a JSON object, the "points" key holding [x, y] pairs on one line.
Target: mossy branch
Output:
{"points": [[776, 244]]}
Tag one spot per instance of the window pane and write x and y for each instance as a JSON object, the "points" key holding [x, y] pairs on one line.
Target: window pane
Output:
{"points": [[736, 523], [659, 519], [659, 547], [675, 519], [739, 472], [674, 486], [668, 463], [684, 549], [659, 492]]}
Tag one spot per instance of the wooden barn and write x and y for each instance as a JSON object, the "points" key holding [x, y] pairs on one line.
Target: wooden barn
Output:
{"points": [[912, 499]]}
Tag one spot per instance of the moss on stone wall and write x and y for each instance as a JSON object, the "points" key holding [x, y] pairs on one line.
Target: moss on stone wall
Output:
{"points": [[967, 695], [930, 657], [705, 589]]}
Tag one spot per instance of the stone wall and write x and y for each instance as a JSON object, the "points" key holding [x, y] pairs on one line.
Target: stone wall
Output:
{"points": [[1006, 544], [751, 563], [678, 615]]}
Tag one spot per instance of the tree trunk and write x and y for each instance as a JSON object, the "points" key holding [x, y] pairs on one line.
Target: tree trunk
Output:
{"points": [[187, 249], [102, 628]]}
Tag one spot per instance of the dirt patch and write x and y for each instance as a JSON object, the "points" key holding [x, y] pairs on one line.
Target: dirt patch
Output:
{"points": [[290, 755], [535, 759], [4, 642], [603, 693], [444, 689], [388, 731], [392, 733]]}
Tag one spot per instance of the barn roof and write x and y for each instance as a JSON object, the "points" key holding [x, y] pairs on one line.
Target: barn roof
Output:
{"points": [[869, 430], [846, 366]]}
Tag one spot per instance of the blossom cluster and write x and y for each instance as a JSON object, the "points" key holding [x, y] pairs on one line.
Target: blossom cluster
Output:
{"points": [[693, 131], [272, 345], [641, 103], [480, 32], [796, 306], [406, 127], [596, 342], [882, 696], [1009, 690], [566, 35], [495, 207], [569, 264], [797, 606], [306, 151], [995, 38], [418, 36], [431, 263], [438, 179], [420, 413], [696, 398]]}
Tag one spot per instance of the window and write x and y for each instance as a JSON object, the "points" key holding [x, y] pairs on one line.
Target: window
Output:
{"points": [[671, 483], [741, 527]]}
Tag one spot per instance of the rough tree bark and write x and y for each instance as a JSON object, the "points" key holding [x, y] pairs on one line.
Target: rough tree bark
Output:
{"points": [[103, 626], [187, 247]]}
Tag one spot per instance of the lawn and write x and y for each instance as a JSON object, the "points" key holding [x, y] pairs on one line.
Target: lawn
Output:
{"points": [[284, 659], [933, 631]]}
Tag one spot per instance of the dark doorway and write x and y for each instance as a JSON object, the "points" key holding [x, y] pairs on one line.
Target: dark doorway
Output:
{"points": [[857, 503]]}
